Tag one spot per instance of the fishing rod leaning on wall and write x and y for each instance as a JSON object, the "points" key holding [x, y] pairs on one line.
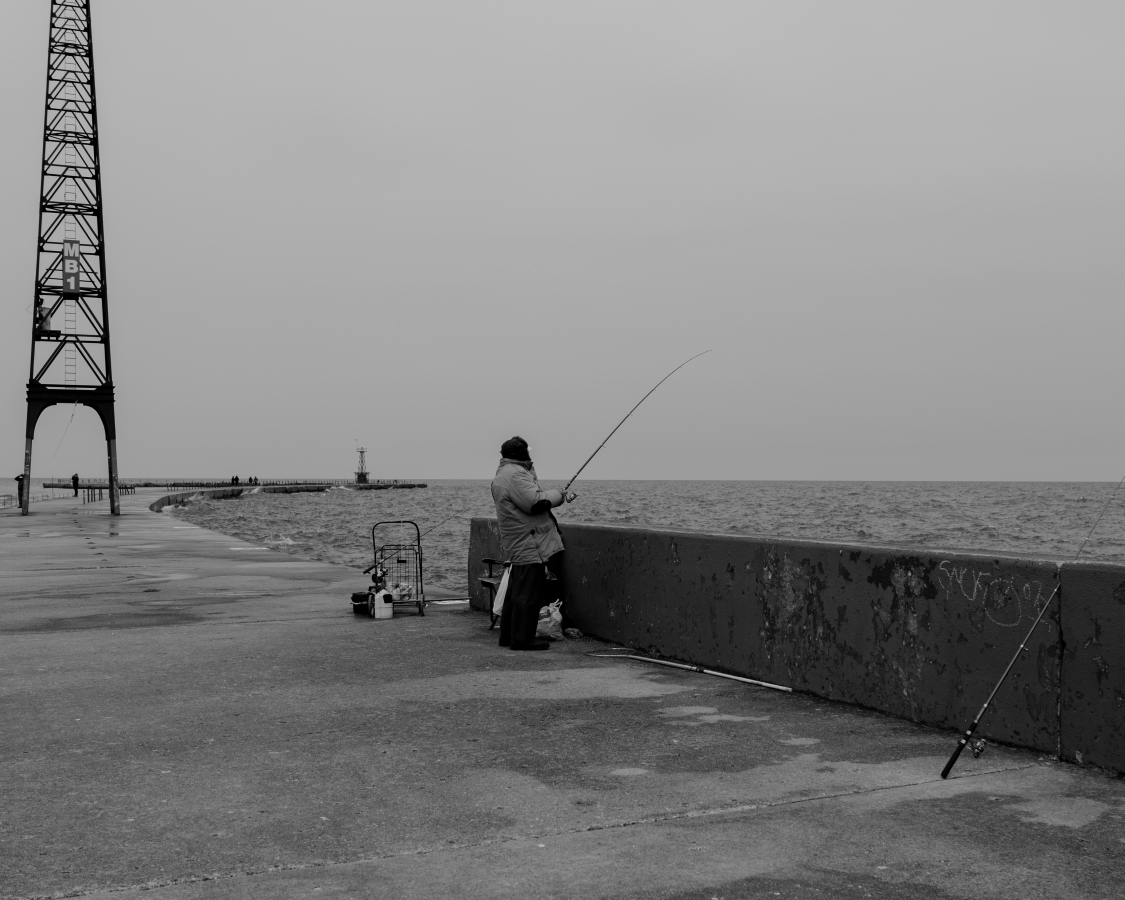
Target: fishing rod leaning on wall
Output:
{"points": [[977, 747]]}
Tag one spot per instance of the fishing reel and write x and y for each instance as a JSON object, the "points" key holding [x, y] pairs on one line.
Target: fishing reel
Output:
{"points": [[977, 747], [378, 578], [569, 496]]}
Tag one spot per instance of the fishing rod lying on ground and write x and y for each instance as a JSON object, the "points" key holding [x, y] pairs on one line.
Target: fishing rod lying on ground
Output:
{"points": [[622, 422], [978, 747], [689, 668]]}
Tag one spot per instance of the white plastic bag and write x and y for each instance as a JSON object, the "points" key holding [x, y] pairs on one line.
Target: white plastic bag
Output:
{"points": [[501, 591], [550, 622]]}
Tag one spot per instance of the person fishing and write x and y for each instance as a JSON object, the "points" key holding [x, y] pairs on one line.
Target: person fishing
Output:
{"points": [[531, 539]]}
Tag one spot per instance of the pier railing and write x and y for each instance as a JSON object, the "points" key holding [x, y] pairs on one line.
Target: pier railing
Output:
{"points": [[214, 483], [7, 500], [93, 491]]}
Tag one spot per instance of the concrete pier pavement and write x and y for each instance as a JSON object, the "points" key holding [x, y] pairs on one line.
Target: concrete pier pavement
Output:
{"points": [[188, 715]]}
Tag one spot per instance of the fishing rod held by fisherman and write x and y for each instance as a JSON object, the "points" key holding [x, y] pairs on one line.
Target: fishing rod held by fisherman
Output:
{"points": [[567, 495]]}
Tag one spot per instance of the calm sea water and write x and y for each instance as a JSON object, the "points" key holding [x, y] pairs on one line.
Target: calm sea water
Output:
{"points": [[1038, 519]]}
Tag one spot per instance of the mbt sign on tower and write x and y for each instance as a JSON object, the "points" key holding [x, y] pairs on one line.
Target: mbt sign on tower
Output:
{"points": [[70, 360], [72, 268]]}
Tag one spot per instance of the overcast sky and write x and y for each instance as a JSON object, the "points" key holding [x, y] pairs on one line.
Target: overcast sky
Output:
{"points": [[430, 226]]}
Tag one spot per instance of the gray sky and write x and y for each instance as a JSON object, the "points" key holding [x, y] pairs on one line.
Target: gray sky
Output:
{"points": [[430, 226]]}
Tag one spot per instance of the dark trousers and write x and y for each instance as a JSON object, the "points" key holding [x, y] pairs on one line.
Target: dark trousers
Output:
{"points": [[529, 590]]}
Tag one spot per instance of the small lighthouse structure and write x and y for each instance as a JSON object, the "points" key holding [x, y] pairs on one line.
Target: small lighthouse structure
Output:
{"points": [[361, 472]]}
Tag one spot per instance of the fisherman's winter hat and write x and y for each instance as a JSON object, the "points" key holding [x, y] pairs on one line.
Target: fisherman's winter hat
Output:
{"points": [[515, 448]]}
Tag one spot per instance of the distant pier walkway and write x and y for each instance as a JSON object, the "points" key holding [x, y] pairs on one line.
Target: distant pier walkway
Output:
{"points": [[174, 484], [187, 715]]}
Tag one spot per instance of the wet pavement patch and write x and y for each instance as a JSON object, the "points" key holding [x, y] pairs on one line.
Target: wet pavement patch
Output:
{"points": [[153, 619]]}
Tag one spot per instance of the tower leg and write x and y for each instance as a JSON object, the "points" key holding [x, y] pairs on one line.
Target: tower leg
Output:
{"points": [[26, 477], [114, 498], [34, 409]]}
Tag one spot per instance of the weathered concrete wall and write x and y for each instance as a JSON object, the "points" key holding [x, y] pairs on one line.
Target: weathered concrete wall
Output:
{"points": [[922, 635], [1092, 705]]}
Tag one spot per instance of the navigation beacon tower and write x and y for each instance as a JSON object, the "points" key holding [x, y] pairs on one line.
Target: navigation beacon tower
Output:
{"points": [[70, 360], [361, 472]]}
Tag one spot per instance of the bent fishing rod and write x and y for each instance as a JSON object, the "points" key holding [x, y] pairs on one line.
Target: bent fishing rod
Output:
{"points": [[967, 738], [602, 444], [622, 422]]}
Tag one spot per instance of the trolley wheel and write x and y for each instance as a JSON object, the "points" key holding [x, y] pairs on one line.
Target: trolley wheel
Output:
{"points": [[371, 605]]}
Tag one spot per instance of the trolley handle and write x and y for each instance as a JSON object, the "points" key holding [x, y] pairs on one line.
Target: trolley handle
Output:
{"points": [[417, 531]]}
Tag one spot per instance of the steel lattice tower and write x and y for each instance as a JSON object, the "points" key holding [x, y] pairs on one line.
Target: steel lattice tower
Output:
{"points": [[70, 360]]}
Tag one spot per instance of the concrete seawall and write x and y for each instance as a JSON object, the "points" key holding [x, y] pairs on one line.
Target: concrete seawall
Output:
{"points": [[232, 493], [183, 496], [917, 633]]}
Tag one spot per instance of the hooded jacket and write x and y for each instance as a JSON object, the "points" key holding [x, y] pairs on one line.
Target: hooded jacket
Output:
{"points": [[523, 511]]}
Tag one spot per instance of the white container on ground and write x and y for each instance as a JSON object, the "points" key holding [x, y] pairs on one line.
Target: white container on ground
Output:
{"points": [[381, 605]]}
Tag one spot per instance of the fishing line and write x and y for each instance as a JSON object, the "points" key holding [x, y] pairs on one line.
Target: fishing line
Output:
{"points": [[65, 430], [978, 746], [467, 515], [442, 522], [1098, 520]]}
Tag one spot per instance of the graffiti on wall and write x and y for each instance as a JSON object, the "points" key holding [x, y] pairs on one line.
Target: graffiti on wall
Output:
{"points": [[1003, 600]]}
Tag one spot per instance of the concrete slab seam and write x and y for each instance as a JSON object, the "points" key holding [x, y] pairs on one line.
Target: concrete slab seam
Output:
{"points": [[726, 810], [425, 851]]}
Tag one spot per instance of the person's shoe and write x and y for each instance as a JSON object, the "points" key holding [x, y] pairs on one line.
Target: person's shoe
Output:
{"points": [[534, 645], [504, 643]]}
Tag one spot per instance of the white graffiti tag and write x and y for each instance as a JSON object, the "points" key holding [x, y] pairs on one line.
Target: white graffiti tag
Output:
{"points": [[1004, 600]]}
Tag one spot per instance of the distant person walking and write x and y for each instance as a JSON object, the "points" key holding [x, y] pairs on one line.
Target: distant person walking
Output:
{"points": [[531, 540], [19, 489], [74, 481]]}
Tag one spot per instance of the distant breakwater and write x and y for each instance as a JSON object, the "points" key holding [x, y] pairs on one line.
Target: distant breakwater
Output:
{"points": [[232, 492]]}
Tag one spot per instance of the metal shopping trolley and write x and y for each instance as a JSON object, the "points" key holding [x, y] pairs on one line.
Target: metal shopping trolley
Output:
{"points": [[397, 568]]}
